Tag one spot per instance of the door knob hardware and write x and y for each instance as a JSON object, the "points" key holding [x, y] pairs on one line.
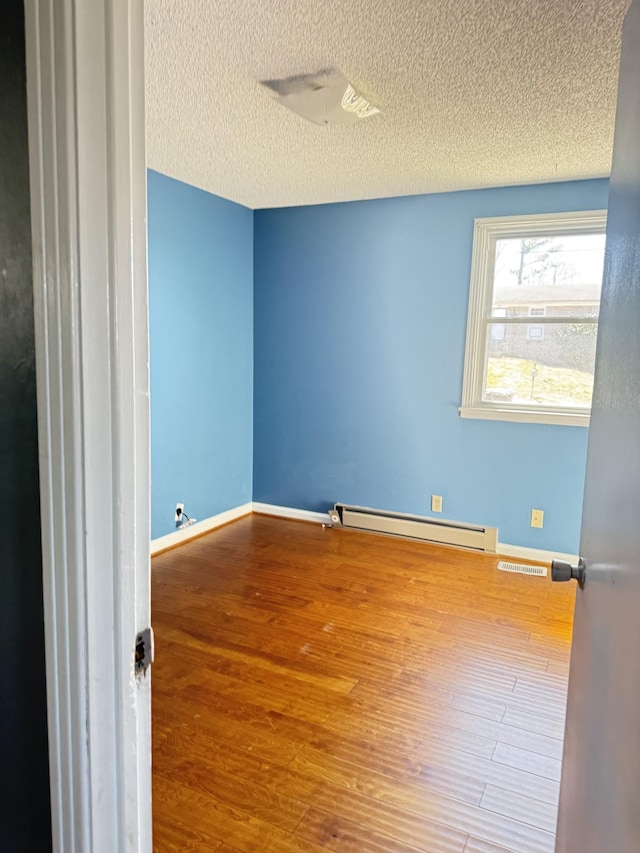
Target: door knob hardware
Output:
{"points": [[564, 571]]}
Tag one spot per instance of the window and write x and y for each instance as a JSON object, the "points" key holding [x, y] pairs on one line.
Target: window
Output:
{"points": [[545, 267], [499, 330], [536, 333]]}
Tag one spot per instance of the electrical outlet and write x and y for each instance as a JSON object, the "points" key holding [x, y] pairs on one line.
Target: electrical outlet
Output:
{"points": [[179, 511], [436, 503], [537, 517]]}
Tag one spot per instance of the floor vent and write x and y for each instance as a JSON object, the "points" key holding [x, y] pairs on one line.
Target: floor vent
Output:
{"points": [[473, 536], [522, 569]]}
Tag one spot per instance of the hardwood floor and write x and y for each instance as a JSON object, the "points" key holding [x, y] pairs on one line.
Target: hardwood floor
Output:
{"points": [[326, 690]]}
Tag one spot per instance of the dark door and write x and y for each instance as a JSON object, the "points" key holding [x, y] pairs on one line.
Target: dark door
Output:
{"points": [[24, 765], [600, 789]]}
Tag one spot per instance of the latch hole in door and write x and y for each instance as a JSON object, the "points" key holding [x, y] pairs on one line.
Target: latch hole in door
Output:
{"points": [[143, 651]]}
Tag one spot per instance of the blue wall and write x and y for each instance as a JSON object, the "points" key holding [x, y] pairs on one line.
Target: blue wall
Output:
{"points": [[201, 340], [360, 322]]}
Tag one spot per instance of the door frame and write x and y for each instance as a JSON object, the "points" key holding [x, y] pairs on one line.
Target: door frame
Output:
{"points": [[85, 82]]}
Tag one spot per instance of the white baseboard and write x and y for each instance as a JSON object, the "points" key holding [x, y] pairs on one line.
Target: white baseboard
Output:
{"points": [[201, 527], [503, 549], [178, 537], [290, 512], [534, 554]]}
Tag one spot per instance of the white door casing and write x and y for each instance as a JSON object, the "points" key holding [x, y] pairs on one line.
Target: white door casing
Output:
{"points": [[87, 157]]}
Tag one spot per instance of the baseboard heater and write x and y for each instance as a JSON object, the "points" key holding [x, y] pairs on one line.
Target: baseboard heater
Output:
{"points": [[472, 536]]}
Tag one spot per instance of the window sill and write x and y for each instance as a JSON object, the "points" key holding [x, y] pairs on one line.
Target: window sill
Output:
{"points": [[528, 416]]}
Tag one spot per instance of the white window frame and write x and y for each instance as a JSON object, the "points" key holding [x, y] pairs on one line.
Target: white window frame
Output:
{"points": [[486, 232]]}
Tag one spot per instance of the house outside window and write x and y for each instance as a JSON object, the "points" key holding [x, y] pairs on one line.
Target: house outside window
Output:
{"points": [[545, 267]]}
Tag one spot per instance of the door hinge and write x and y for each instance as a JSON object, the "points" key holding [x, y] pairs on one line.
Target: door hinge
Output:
{"points": [[144, 651]]}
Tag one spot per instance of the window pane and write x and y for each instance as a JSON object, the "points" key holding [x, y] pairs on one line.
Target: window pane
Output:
{"points": [[553, 368], [549, 276]]}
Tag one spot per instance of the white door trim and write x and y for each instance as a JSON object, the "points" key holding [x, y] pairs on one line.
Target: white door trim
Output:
{"points": [[86, 136]]}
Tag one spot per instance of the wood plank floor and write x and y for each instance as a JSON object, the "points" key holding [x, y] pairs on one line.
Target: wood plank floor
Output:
{"points": [[326, 690]]}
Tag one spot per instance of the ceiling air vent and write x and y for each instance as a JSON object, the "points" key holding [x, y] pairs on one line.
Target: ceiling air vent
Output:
{"points": [[324, 98]]}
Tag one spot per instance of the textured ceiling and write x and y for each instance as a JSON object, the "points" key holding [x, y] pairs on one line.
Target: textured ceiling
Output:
{"points": [[474, 93]]}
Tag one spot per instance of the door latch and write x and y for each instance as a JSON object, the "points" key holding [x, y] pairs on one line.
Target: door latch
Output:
{"points": [[144, 651]]}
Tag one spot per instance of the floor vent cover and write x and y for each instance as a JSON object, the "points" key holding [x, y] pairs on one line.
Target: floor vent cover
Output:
{"points": [[522, 569]]}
